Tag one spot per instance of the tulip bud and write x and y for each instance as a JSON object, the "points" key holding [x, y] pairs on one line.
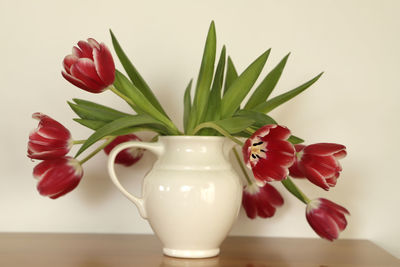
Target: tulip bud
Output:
{"points": [[127, 156], [268, 153], [319, 163], [49, 140], [90, 66], [326, 218], [57, 177]]}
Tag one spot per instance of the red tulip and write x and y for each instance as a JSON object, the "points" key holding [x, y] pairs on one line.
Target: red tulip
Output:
{"points": [[90, 66], [261, 201], [57, 177], [268, 153], [50, 139], [127, 156], [326, 218], [319, 163]]}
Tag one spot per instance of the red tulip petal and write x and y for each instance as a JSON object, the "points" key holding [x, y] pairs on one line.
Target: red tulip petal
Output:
{"points": [[68, 62], [104, 64], [324, 149], [299, 147], [326, 166], [268, 171], [87, 50], [333, 205], [278, 132], [262, 131], [249, 206], [77, 52], [341, 154], [93, 43], [61, 175], [75, 81], [273, 196], [281, 146], [69, 188], [40, 170], [246, 152], [85, 71], [315, 177], [323, 225], [264, 210]]}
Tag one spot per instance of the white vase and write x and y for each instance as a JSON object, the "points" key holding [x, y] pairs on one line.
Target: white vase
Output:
{"points": [[191, 197]]}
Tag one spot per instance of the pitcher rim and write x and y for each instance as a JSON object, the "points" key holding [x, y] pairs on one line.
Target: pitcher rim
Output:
{"points": [[188, 137]]}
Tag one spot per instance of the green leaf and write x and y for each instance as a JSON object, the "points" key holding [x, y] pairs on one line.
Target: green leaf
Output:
{"points": [[280, 99], [187, 105], [230, 76], [292, 188], [241, 86], [90, 114], [295, 140], [214, 100], [260, 119], [204, 79], [114, 126], [135, 76], [106, 112], [265, 88], [141, 101], [235, 124], [91, 124]]}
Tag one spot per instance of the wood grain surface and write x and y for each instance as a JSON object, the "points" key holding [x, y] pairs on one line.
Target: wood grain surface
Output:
{"points": [[109, 250]]}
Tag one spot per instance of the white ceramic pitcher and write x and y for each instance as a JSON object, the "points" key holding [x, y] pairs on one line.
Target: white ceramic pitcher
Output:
{"points": [[191, 197]]}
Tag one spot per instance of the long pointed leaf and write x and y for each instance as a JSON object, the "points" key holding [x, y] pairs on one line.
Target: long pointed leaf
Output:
{"points": [[95, 125], [280, 99], [87, 113], [260, 119], [241, 86], [213, 112], [135, 76], [214, 100], [204, 79], [235, 124], [106, 112], [187, 105], [141, 101], [231, 75], [91, 124], [111, 127], [265, 88]]}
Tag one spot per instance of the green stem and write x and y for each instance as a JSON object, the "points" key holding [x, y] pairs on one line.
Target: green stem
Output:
{"points": [[97, 150], [239, 160], [249, 130], [219, 129], [292, 188], [169, 123], [77, 142], [124, 97]]}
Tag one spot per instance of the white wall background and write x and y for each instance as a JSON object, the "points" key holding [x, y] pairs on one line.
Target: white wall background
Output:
{"points": [[356, 43]]}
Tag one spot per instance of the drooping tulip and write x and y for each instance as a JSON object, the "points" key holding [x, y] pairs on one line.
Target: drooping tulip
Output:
{"points": [[268, 153], [326, 218], [49, 140], [127, 156], [57, 177], [319, 163], [261, 201], [90, 66]]}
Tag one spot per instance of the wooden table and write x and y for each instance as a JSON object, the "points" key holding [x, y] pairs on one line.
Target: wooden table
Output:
{"points": [[98, 250]]}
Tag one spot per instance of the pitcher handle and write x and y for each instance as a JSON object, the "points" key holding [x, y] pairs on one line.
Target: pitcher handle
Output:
{"points": [[156, 148]]}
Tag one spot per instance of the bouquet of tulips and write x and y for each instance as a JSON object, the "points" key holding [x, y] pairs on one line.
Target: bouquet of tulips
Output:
{"points": [[269, 150]]}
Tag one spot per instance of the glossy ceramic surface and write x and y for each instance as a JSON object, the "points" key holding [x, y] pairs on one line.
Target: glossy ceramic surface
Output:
{"points": [[191, 197]]}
